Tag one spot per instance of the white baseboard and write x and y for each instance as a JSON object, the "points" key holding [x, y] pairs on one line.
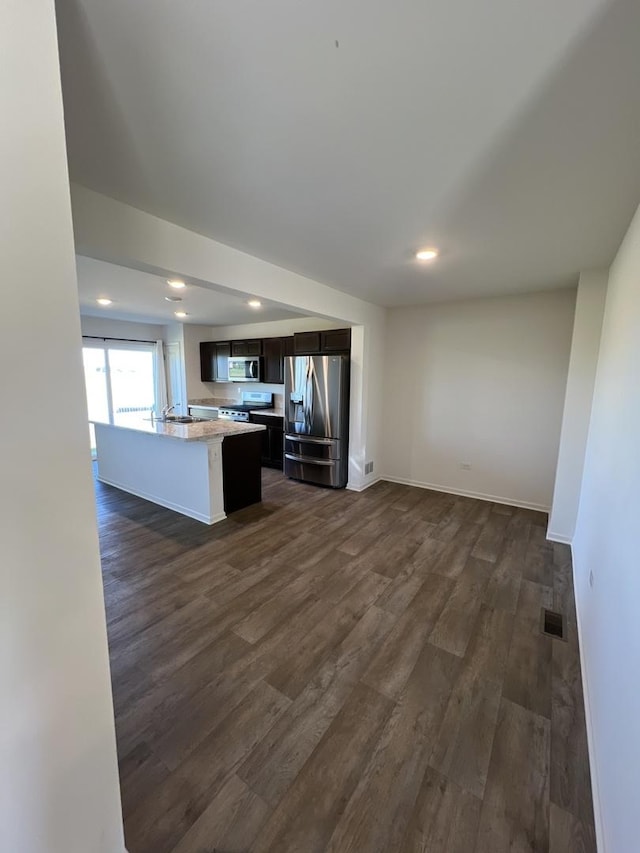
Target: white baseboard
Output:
{"points": [[364, 486], [558, 537], [595, 788], [496, 499], [183, 510]]}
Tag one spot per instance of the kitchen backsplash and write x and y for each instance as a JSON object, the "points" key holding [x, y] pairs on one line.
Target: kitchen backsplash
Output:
{"points": [[229, 393]]}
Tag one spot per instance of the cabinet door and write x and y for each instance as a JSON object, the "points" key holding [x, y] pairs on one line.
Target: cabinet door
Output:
{"points": [[273, 360], [277, 446], [208, 361], [223, 351], [288, 346], [254, 347], [335, 340], [306, 343], [266, 447]]}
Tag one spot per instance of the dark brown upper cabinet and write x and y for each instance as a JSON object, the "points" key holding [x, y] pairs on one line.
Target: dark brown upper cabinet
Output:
{"points": [[274, 351], [214, 355], [306, 343], [214, 361], [314, 343], [253, 347], [335, 340]]}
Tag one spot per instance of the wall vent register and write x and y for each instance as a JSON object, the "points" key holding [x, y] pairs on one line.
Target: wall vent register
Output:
{"points": [[553, 624]]}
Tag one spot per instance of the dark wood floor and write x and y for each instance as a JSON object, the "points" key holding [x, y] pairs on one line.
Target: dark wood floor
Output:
{"points": [[331, 671]]}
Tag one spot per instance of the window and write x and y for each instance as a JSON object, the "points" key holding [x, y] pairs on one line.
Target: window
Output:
{"points": [[120, 381]]}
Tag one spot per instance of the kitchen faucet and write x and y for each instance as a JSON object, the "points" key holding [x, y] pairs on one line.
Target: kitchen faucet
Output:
{"points": [[166, 410]]}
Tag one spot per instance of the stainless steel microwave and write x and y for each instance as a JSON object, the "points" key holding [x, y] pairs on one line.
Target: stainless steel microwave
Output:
{"points": [[245, 369]]}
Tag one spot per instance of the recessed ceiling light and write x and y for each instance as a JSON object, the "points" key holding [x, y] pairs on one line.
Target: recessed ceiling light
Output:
{"points": [[103, 301], [255, 303], [173, 298], [427, 254], [181, 313], [176, 283]]}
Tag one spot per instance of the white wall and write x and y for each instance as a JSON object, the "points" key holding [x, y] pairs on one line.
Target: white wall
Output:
{"points": [[59, 780], [479, 382], [585, 345], [115, 232], [272, 329], [607, 544], [104, 327]]}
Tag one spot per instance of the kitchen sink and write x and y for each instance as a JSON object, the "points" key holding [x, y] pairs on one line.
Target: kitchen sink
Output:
{"points": [[177, 419]]}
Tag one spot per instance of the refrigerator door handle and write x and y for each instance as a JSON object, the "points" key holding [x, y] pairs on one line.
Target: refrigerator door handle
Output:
{"points": [[305, 439], [308, 408], [294, 457]]}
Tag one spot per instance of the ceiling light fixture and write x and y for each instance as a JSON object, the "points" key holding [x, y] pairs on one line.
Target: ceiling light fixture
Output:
{"points": [[255, 303], [427, 254], [180, 314], [173, 298], [103, 300], [176, 283]]}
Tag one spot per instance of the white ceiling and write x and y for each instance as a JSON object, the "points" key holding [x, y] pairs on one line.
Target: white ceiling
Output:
{"points": [[335, 138], [140, 296]]}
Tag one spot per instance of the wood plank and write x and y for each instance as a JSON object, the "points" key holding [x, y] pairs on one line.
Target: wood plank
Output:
{"points": [[402, 590], [230, 822], [456, 623], [515, 809], [173, 807], [528, 673], [306, 816], [277, 759], [569, 834], [377, 815], [294, 673], [445, 818], [488, 648], [390, 669], [489, 543], [503, 588], [452, 559], [570, 773], [463, 748]]}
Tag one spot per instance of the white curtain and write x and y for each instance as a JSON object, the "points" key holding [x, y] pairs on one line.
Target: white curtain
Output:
{"points": [[161, 378]]}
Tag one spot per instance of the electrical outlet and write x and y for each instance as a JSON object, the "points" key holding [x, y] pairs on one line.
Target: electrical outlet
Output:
{"points": [[591, 579], [466, 466]]}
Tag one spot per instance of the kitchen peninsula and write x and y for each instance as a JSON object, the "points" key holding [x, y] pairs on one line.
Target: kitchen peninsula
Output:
{"points": [[203, 470]]}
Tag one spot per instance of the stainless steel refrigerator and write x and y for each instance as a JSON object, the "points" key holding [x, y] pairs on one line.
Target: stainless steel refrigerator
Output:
{"points": [[316, 419]]}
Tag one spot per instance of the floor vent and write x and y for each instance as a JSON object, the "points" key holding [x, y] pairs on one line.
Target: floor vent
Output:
{"points": [[553, 624]]}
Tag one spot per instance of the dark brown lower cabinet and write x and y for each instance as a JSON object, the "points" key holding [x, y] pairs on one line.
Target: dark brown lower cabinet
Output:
{"points": [[241, 470], [272, 440]]}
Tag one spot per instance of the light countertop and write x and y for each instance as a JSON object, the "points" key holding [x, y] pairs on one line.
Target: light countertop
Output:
{"points": [[272, 413], [201, 431]]}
